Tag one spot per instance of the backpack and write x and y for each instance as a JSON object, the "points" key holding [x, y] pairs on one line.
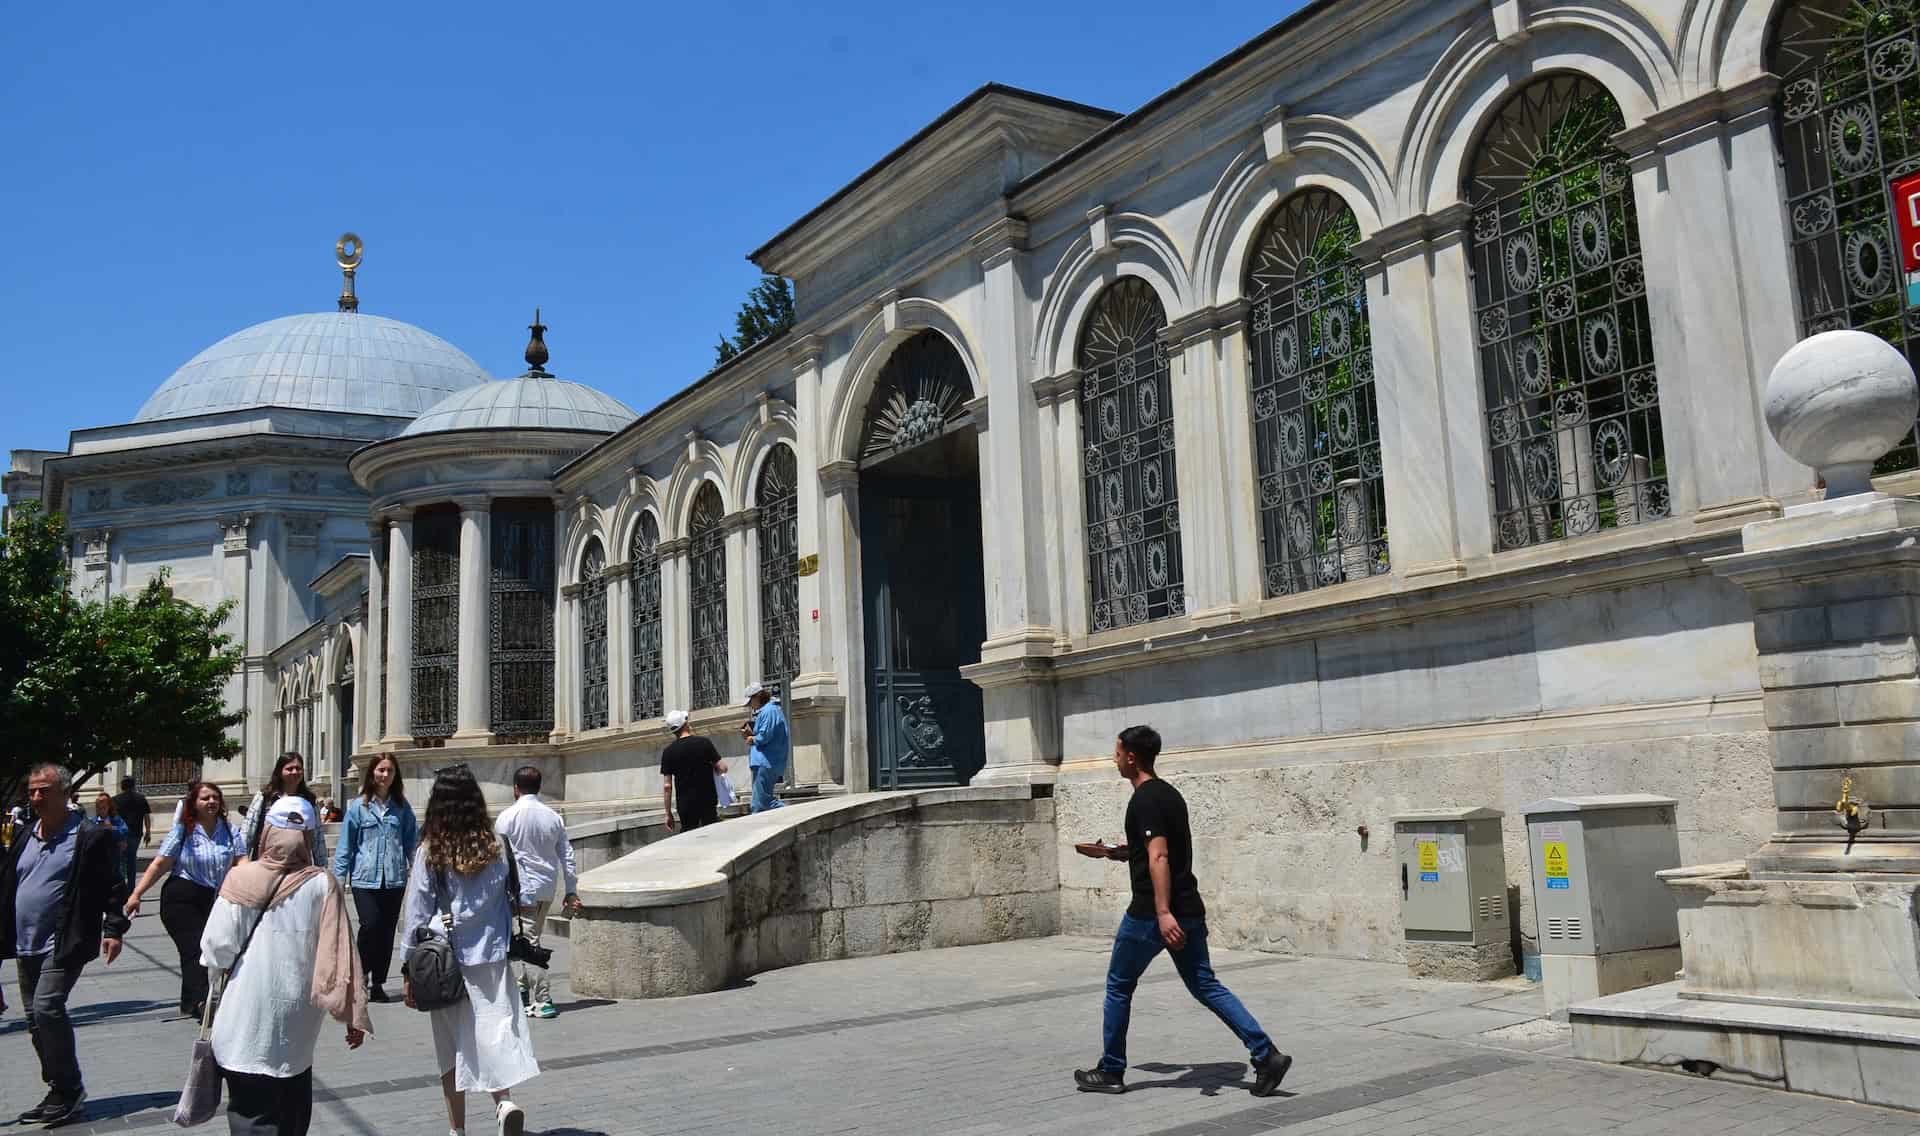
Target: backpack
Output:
{"points": [[433, 968]]}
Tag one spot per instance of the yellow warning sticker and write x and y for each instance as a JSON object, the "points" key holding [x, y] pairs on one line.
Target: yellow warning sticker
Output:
{"points": [[1429, 855], [1554, 853]]}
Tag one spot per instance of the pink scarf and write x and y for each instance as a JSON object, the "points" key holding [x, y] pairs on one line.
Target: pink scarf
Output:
{"points": [[285, 864]]}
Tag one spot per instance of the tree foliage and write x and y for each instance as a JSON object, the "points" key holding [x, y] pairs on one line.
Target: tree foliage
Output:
{"points": [[87, 681], [767, 311]]}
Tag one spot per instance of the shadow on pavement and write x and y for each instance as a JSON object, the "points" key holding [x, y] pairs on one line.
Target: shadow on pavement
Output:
{"points": [[583, 1004], [113, 1108], [569, 1132], [1209, 1078]]}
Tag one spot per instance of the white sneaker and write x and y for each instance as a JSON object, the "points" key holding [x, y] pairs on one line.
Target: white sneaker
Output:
{"points": [[513, 1120]]}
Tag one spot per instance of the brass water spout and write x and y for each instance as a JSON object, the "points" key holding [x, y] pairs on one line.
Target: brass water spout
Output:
{"points": [[1850, 814]]}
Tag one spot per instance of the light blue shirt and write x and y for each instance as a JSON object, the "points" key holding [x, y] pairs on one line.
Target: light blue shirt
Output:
{"points": [[202, 858], [482, 921], [45, 868], [377, 840], [770, 742]]}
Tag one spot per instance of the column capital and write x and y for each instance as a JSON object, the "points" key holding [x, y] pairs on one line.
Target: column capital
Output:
{"points": [[617, 571], [1063, 387], [741, 519], [474, 502], [1672, 126], [804, 353], [1413, 235], [1204, 324], [233, 529], [1000, 241], [670, 549], [838, 476], [396, 513], [976, 408]]}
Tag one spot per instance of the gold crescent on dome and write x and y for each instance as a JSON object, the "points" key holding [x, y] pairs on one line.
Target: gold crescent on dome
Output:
{"points": [[349, 241]]}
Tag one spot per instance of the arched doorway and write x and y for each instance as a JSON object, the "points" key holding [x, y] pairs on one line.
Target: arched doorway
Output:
{"points": [[923, 582]]}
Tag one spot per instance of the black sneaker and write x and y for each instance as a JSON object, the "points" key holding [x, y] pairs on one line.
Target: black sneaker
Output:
{"points": [[1268, 1074], [377, 994], [65, 1109], [38, 1112], [1099, 1081]]}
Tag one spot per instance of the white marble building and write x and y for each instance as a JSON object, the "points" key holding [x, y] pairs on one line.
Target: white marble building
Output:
{"points": [[1359, 412]]}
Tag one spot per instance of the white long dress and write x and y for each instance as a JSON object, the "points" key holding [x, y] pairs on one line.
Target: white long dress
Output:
{"points": [[266, 1022]]}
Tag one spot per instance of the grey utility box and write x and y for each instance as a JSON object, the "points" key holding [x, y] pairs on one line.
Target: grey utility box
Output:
{"points": [[1452, 876], [1605, 922]]}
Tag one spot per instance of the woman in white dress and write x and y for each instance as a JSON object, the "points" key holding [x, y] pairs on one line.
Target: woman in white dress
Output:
{"points": [[482, 1041], [283, 921]]}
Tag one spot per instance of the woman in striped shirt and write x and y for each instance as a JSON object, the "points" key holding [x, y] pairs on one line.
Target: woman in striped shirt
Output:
{"points": [[194, 859]]}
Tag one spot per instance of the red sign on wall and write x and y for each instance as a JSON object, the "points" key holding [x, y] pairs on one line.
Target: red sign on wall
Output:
{"points": [[1906, 219]]}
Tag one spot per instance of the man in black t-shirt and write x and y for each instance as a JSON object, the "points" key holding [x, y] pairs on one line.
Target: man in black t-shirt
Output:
{"points": [[1166, 912], [133, 808], [688, 766]]}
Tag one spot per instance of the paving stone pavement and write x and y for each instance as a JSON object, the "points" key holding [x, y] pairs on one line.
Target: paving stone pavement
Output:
{"points": [[978, 1041]]}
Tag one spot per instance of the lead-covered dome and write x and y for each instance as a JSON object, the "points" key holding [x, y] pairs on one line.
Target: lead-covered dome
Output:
{"points": [[338, 361], [530, 402]]}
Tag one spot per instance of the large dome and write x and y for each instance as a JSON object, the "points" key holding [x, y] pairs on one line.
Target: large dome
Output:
{"points": [[530, 402], [339, 361]]}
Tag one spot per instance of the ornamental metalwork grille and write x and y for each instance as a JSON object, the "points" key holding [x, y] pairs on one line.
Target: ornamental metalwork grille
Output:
{"points": [[520, 620], [592, 599], [643, 555], [170, 776], [707, 598], [436, 623], [919, 395], [1849, 123], [1126, 422], [778, 497], [1560, 316], [1316, 423]]}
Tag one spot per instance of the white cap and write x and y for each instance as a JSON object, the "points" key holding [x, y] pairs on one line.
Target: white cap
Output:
{"points": [[754, 690], [676, 720], [293, 812]]}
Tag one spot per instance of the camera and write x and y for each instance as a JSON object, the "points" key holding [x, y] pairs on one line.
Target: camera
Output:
{"points": [[521, 949]]}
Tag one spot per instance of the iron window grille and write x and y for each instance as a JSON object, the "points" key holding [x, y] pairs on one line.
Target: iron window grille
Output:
{"points": [[1560, 316], [1848, 116], [778, 497], [592, 598], [1126, 421], [520, 620], [436, 624], [644, 584], [707, 598], [1316, 421]]}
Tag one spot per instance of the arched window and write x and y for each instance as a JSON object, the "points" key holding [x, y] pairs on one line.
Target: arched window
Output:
{"points": [[436, 623], [644, 592], [1316, 425], [1126, 422], [707, 597], [1560, 314], [593, 636], [778, 497], [1850, 86]]}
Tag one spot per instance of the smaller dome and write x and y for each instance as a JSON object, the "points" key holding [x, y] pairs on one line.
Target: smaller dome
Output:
{"points": [[530, 402]]}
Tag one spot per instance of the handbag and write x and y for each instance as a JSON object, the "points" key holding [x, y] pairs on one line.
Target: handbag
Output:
{"points": [[200, 1096], [433, 969]]}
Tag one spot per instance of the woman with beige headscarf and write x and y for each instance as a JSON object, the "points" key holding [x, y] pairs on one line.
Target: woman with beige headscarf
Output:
{"points": [[299, 966]]}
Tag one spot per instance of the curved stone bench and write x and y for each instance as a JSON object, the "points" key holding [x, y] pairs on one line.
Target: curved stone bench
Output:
{"points": [[842, 877]]}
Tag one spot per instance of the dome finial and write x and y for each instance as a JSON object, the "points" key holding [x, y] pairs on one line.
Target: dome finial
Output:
{"points": [[347, 252], [537, 346]]}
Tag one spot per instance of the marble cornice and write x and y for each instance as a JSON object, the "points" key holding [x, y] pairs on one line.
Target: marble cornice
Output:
{"points": [[804, 354], [1205, 323], [618, 571], [473, 502], [839, 476], [1669, 127], [1411, 236], [1063, 387], [668, 549], [741, 519], [1001, 240]]}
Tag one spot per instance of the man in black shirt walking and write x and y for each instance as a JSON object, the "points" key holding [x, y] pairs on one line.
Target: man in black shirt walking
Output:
{"points": [[687, 769], [1166, 912], [133, 807]]}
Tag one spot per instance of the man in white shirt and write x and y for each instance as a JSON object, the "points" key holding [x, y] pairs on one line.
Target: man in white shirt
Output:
{"points": [[544, 854]]}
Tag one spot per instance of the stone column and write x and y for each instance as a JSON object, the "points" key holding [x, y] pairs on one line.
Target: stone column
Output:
{"points": [[1071, 519], [1717, 292], [619, 644], [752, 665], [743, 637], [842, 618], [1241, 503], [474, 705], [1210, 541], [371, 662], [816, 677], [676, 676], [236, 584], [399, 728], [565, 654]]}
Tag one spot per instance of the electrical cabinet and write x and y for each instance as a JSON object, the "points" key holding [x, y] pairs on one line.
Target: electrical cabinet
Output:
{"points": [[1452, 876]]}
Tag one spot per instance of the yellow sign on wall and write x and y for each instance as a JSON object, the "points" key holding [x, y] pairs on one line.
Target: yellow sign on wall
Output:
{"points": [[1429, 855], [1553, 856]]}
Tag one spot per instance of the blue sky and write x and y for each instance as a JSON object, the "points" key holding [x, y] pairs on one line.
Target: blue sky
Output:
{"points": [[178, 171]]}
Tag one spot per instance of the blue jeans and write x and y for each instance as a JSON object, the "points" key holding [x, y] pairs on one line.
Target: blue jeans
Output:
{"points": [[1134, 946], [43, 1001], [765, 777]]}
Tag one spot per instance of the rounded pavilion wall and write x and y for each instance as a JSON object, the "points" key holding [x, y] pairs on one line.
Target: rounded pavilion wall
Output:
{"points": [[1282, 751]]}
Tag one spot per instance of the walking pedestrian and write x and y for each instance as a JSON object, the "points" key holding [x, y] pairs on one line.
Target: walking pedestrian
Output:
{"points": [[691, 768], [377, 840], [1166, 912], [482, 1042], [289, 779], [767, 733], [545, 857], [134, 808], [105, 816], [281, 925], [60, 896], [193, 859]]}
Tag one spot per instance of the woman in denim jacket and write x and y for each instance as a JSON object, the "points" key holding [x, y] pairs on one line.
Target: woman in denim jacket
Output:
{"points": [[377, 840]]}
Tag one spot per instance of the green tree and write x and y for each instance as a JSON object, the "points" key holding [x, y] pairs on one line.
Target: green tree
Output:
{"points": [[766, 312], [87, 682]]}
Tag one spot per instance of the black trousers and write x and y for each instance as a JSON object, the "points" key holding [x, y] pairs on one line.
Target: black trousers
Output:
{"points": [[184, 907], [378, 912], [259, 1105], [699, 816]]}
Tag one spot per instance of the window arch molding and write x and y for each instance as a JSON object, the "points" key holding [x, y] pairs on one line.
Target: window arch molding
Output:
{"points": [[893, 325], [1136, 248]]}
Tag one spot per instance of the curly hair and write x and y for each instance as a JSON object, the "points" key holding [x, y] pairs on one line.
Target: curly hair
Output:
{"points": [[187, 818], [458, 833]]}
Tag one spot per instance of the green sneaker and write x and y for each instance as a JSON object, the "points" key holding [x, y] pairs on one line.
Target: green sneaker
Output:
{"points": [[546, 1010]]}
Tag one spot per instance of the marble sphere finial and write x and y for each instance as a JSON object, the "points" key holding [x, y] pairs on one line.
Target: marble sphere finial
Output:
{"points": [[1838, 401]]}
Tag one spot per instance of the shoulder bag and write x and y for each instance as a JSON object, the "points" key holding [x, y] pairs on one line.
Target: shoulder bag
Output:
{"points": [[200, 1098]]}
